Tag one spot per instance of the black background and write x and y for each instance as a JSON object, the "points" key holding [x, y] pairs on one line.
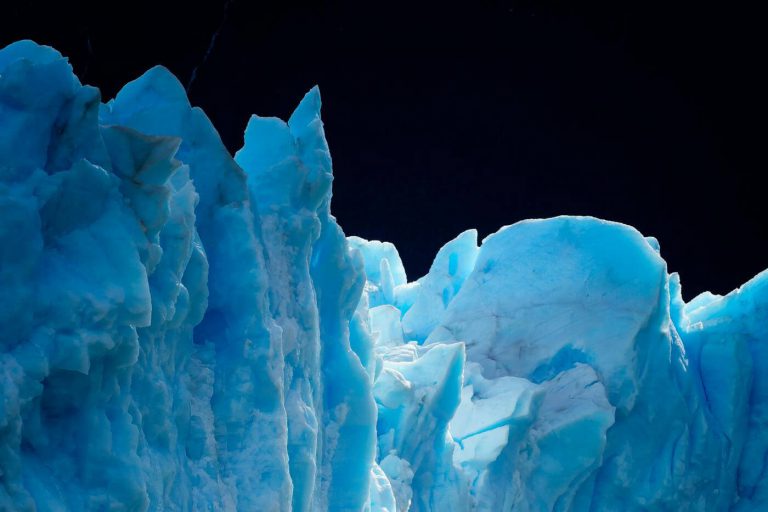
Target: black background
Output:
{"points": [[446, 116]]}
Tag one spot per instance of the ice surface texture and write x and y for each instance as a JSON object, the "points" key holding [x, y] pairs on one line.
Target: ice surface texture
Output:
{"points": [[183, 330]]}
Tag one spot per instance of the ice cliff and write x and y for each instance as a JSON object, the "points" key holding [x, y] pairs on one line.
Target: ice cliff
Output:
{"points": [[184, 330]]}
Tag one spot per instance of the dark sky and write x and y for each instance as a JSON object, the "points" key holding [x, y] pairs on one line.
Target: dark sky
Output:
{"points": [[444, 116]]}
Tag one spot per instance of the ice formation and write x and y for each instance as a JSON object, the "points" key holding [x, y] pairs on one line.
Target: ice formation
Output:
{"points": [[184, 330]]}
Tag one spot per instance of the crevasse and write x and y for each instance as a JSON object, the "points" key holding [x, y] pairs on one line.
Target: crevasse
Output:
{"points": [[184, 330]]}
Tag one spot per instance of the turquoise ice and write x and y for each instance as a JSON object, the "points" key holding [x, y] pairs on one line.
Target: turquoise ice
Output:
{"points": [[187, 330]]}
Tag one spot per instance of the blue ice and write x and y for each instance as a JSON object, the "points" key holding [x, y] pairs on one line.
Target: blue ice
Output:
{"points": [[188, 330]]}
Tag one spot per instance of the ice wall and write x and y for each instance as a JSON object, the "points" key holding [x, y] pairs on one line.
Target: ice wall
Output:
{"points": [[588, 383], [184, 330], [177, 324]]}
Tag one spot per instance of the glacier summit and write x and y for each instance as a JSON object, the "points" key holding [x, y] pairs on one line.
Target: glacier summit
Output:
{"points": [[187, 331]]}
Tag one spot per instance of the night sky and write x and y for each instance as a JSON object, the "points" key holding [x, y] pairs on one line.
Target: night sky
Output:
{"points": [[441, 117]]}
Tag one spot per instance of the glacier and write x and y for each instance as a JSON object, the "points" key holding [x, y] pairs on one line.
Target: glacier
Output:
{"points": [[187, 330]]}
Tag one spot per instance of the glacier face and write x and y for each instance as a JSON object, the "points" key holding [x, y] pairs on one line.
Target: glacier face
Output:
{"points": [[187, 330]]}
